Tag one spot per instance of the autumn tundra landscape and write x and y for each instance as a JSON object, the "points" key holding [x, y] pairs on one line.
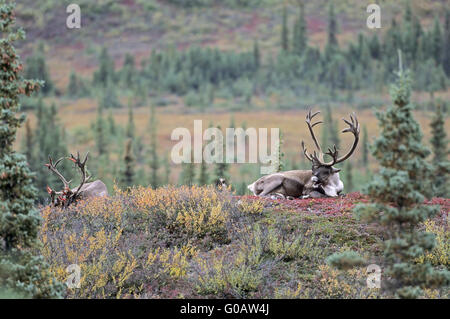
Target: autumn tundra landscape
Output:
{"points": [[94, 204]]}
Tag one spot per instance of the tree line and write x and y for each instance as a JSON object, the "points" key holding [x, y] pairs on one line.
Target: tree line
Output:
{"points": [[200, 74], [298, 69]]}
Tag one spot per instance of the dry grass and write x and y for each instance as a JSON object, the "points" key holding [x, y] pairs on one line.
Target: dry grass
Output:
{"points": [[82, 112]]}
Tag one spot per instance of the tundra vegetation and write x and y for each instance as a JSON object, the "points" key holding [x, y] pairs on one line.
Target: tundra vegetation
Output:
{"points": [[195, 241], [187, 242], [165, 231]]}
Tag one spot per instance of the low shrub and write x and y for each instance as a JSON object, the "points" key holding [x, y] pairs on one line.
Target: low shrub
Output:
{"points": [[138, 240], [190, 242]]}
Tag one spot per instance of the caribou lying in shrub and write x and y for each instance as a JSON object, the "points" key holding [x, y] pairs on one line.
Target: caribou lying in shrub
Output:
{"points": [[321, 181], [67, 196]]}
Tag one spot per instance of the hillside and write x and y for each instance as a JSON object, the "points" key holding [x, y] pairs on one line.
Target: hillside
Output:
{"points": [[137, 27], [197, 242]]}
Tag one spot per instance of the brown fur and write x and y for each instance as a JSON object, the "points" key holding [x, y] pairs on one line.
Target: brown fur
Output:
{"points": [[289, 183], [94, 189], [295, 183]]}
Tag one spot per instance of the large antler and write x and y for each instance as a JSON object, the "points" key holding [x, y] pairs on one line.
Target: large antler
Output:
{"points": [[309, 117], [354, 128], [82, 166], [52, 166], [317, 158]]}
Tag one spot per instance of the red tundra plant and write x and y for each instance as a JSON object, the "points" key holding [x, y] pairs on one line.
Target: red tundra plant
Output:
{"points": [[336, 206]]}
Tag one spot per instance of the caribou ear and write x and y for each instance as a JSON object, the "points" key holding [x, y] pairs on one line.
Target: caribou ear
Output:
{"points": [[335, 170]]}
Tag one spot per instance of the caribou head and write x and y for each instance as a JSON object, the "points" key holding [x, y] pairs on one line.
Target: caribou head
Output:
{"points": [[323, 171], [67, 196]]}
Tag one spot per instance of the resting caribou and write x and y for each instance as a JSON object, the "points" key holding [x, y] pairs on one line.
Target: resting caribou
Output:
{"points": [[85, 190], [321, 181]]}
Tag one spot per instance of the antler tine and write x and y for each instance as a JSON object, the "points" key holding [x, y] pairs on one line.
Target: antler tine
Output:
{"points": [[52, 167], [354, 128], [314, 156], [58, 161], [333, 153], [84, 163], [77, 159], [315, 160], [306, 152], [86, 158], [309, 118], [82, 167], [317, 157]]}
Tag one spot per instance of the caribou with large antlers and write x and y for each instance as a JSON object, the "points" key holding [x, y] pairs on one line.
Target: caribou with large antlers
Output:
{"points": [[68, 196], [321, 181]]}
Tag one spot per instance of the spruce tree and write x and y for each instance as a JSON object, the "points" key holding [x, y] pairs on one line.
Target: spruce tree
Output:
{"points": [[446, 44], [167, 170], [375, 47], [72, 88], [364, 56], [349, 186], [37, 69], [279, 164], [154, 159], [408, 32], [365, 147], [187, 176], [334, 132], [128, 171], [112, 129], [129, 72], [221, 168], [325, 136], [256, 59], [436, 42], [108, 97], [330, 134], [332, 42], [140, 91], [392, 42], [440, 154], [418, 34], [284, 31], [242, 188], [203, 176], [408, 12], [432, 78], [50, 141], [100, 132], [332, 26], [299, 41], [131, 128], [29, 143], [397, 193], [21, 271], [105, 74]]}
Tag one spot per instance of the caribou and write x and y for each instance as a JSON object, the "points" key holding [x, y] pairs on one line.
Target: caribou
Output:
{"points": [[68, 196], [321, 181]]}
